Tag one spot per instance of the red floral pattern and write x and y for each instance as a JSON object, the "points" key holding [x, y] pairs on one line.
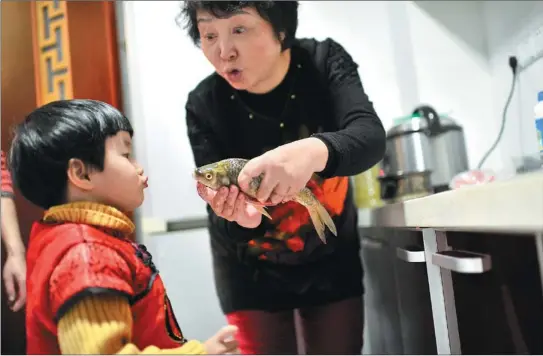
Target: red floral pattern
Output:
{"points": [[293, 221], [88, 265]]}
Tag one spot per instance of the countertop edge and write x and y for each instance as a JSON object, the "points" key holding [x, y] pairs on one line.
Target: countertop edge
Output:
{"points": [[515, 205]]}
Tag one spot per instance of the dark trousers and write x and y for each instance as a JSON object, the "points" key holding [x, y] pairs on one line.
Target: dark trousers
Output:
{"points": [[335, 328]]}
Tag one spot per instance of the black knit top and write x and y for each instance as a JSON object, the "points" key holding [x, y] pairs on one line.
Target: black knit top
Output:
{"points": [[282, 264]]}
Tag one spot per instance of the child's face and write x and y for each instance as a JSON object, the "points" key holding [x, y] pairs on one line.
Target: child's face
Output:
{"points": [[121, 183]]}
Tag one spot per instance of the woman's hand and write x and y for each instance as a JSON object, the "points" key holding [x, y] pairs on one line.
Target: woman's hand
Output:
{"points": [[286, 169], [14, 275], [231, 204]]}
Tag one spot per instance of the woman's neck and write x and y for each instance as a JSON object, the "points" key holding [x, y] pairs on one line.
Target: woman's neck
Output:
{"points": [[276, 77]]}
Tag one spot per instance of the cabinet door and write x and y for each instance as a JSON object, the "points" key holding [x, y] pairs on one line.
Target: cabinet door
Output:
{"points": [[381, 306], [414, 304], [499, 311]]}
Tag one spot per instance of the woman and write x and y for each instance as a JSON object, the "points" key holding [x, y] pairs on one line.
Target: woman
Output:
{"points": [[14, 272], [297, 109]]}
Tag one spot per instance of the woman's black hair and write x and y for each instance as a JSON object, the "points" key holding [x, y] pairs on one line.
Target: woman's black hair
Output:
{"points": [[282, 15], [53, 134]]}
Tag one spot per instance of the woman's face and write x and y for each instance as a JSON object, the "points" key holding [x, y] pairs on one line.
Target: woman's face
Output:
{"points": [[242, 47]]}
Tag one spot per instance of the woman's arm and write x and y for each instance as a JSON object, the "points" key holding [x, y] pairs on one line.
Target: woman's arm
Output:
{"points": [[360, 141], [103, 325], [357, 146], [10, 226], [14, 273]]}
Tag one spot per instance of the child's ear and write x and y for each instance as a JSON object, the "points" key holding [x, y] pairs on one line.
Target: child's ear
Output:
{"points": [[78, 174]]}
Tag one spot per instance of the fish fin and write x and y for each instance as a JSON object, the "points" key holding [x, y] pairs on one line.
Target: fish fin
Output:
{"points": [[317, 223], [262, 211], [320, 218], [257, 202], [326, 218]]}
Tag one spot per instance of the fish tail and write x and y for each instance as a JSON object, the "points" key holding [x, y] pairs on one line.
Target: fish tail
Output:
{"points": [[317, 223], [326, 218], [319, 216]]}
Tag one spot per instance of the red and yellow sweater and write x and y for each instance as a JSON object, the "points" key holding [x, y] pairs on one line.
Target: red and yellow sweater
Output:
{"points": [[92, 291]]}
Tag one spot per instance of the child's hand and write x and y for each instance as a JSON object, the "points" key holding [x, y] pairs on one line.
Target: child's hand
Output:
{"points": [[223, 342]]}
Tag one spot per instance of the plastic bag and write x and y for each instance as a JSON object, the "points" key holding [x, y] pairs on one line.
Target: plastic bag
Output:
{"points": [[472, 177]]}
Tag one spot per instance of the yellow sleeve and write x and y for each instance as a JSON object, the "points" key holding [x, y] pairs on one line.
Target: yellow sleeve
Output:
{"points": [[103, 325]]}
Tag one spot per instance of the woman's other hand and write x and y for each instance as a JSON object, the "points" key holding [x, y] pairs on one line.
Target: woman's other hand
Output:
{"points": [[14, 275], [286, 169], [231, 204]]}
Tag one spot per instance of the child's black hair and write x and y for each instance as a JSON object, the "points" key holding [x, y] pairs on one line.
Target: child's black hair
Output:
{"points": [[53, 134], [282, 15]]}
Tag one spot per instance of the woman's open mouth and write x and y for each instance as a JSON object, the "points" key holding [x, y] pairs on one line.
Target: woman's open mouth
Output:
{"points": [[233, 75]]}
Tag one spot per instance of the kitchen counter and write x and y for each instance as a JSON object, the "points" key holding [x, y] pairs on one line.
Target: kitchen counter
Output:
{"points": [[515, 205]]}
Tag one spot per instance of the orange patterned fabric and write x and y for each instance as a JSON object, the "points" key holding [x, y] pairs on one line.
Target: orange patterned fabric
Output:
{"points": [[80, 249], [7, 185]]}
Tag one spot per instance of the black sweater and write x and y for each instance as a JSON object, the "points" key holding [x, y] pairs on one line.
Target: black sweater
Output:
{"points": [[282, 264]]}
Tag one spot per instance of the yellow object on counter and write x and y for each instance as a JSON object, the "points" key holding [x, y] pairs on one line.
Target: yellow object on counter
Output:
{"points": [[367, 190]]}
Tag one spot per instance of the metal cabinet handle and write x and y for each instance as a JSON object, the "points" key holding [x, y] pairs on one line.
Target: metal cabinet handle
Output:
{"points": [[462, 261], [368, 242], [411, 254]]}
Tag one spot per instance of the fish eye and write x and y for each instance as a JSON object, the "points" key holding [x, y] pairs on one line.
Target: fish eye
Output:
{"points": [[209, 176]]}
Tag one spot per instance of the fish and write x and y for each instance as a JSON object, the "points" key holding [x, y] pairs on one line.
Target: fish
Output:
{"points": [[225, 173]]}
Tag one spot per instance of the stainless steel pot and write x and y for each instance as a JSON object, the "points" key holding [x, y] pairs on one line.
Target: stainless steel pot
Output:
{"points": [[406, 186], [426, 142]]}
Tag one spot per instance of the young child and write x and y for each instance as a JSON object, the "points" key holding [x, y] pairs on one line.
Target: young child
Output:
{"points": [[90, 289]]}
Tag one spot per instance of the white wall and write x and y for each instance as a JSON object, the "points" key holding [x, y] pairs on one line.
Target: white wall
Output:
{"points": [[508, 24], [451, 64], [363, 28], [163, 66], [462, 50]]}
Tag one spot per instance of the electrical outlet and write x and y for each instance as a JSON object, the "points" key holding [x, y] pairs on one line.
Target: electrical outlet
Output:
{"points": [[531, 48]]}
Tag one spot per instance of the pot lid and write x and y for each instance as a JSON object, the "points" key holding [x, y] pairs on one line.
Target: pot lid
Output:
{"points": [[408, 124], [415, 123]]}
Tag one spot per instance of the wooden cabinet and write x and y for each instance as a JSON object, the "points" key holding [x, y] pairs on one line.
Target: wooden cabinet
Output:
{"points": [[88, 68]]}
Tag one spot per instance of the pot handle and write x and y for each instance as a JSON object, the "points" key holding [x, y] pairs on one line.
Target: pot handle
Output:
{"points": [[432, 118]]}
